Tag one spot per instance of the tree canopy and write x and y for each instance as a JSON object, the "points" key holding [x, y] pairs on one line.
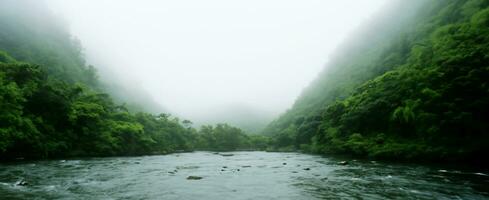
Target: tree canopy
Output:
{"points": [[414, 87]]}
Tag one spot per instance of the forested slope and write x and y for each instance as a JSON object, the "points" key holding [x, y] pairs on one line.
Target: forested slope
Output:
{"points": [[53, 105], [30, 33], [412, 83]]}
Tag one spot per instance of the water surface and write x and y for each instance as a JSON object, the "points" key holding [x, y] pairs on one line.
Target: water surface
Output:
{"points": [[245, 175]]}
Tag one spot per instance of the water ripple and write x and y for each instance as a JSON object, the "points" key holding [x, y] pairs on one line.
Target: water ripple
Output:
{"points": [[245, 175]]}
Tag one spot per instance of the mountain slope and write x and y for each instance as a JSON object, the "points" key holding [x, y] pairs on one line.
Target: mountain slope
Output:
{"points": [[24, 23], [412, 83], [52, 103]]}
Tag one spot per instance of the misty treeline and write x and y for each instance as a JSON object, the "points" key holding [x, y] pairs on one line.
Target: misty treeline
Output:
{"points": [[52, 103], [411, 84]]}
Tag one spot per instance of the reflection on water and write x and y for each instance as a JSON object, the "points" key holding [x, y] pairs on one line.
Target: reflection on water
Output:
{"points": [[244, 175]]}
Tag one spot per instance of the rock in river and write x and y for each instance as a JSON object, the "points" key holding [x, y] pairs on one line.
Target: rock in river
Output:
{"points": [[194, 178]]}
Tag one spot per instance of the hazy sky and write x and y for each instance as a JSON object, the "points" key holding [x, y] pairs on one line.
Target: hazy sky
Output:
{"points": [[193, 56]]}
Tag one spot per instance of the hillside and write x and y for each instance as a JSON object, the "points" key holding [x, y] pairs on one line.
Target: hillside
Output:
{"points": [[411, 83], [52, 103]]}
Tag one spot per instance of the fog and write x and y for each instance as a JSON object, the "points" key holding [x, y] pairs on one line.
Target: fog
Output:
{"points": [[214, 60]]}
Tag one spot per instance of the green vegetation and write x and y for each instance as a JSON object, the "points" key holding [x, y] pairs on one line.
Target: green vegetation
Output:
{"points": [[46, 117], [223, 137], [411, 88], [53, 105]]}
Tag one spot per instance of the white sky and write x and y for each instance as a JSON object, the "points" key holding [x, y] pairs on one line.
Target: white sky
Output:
{"points": [[194, 56]]}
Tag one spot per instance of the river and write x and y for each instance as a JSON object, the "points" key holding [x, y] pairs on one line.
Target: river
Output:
{"points": [[242, 175]]}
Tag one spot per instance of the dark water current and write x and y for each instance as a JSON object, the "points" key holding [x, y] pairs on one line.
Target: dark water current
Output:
{"points": [[244, 175]]}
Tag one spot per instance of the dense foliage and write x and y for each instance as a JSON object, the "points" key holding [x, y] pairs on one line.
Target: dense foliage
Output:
{"points": [[225, 137], [52, 104], [43, 116], [413, 88], [30, 33]]}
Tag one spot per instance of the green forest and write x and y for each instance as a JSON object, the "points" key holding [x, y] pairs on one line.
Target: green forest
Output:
{"points": [[410, 85], [52, 103], [43, 116]]}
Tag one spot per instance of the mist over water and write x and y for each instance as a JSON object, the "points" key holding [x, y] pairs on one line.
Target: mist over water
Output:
{"points": [[213, 61]]}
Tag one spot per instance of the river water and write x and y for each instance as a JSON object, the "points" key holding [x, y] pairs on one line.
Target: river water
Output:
{"points": [[244, 175]]}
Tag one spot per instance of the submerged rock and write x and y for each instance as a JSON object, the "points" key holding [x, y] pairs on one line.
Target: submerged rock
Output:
{"points": [[307, 169], [187, 167], [226, 154], [194, 178]]}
